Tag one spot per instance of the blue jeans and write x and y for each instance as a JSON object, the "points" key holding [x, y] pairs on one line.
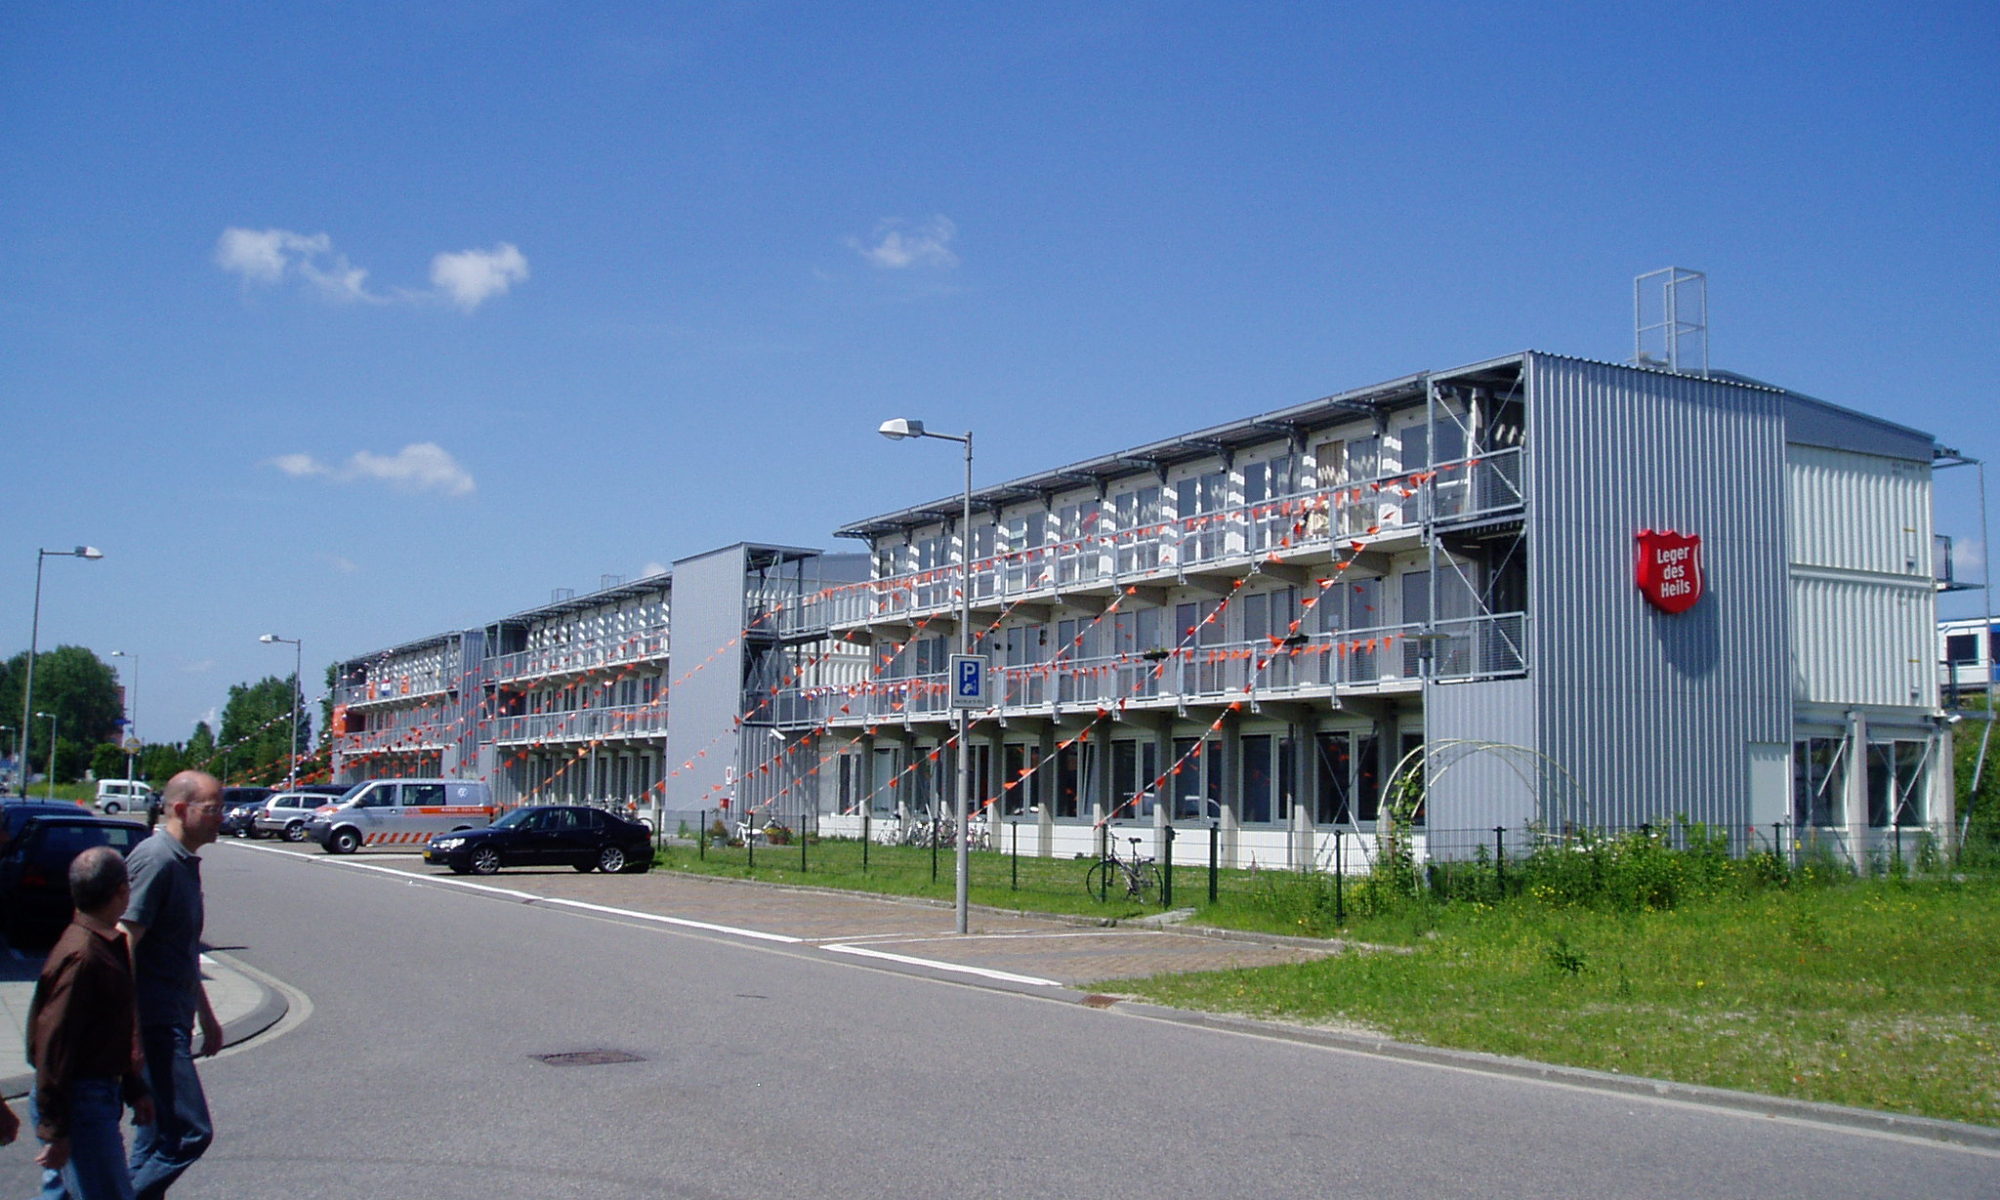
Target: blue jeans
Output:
{"points": [[181, 1129], [96, 1167]]}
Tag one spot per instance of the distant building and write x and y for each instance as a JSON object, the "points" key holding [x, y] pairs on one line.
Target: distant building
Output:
{"points": [[1536, 594], [1970, 661], [1567, 594]]}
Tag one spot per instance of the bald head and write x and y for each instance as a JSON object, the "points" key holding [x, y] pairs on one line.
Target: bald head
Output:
{"points": [[185, 786], [193, 807], [94, 879]]}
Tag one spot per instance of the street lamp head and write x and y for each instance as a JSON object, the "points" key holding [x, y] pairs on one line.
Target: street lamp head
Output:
{"points": [[45, 714], [267, 638], [900, 428], [88, 552]]}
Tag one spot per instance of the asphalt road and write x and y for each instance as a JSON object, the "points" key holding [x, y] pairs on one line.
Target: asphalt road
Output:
{"points": [[408, 1068]]}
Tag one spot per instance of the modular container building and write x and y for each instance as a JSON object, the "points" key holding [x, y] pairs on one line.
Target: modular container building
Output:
{"points": [[1537, 594]]}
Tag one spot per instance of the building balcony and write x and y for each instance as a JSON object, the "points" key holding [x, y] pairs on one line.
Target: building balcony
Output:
{"points": [[1319, 526], [584, 725], [1387, 659], [579, 658]]}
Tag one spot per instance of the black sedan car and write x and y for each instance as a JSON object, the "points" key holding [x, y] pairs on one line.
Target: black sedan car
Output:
{"points": [[547, 835], [34, 871], [16, 812]]}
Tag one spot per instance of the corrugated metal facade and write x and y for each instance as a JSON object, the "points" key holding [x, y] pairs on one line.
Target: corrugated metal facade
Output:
{"points": [[1864, 599], [1476, 789], [1655, 714], [1861, 642]]}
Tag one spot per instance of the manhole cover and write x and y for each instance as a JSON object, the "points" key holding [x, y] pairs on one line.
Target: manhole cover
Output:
{"points": [[587, 1058]]}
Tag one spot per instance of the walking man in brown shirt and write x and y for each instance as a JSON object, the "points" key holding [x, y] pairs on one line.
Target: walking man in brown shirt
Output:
{"points": [[83, 1040]]}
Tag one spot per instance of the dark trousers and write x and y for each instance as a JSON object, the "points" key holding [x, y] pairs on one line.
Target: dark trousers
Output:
{"points": [[181, 1129]]}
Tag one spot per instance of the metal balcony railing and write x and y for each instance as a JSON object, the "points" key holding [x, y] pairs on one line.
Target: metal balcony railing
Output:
{"points": [[584, 724], [643, 646], [1317, 665], [1320, 519]]}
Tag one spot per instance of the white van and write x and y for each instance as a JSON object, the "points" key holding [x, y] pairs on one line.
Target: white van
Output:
{"points": [[400, 812], [115, 796]]}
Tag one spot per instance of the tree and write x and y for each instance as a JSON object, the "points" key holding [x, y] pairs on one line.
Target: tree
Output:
{"points": [[77, 686], [200, 753], [107, 761], [257, 729]]}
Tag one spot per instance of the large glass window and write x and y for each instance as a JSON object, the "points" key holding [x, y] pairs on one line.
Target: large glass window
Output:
{"points": [[1196, 779], [1333, 769], [1199, 503], [1266, 793], [1135, 517], [1819, 779], [1895, 783], [1016, 785]]}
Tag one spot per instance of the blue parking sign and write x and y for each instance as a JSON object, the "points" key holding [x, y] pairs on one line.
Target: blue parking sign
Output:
{"points": [[968, 681]]}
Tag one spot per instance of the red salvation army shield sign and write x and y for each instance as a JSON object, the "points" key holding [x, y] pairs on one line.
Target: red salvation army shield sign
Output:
{"points": [[1668, 569]]}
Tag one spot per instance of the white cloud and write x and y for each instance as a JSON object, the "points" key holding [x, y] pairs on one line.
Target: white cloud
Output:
{"points": [[653, 568], [272, 257], [471, 277], [895, 248], [344, 565], [417, 467], [298, 466]]}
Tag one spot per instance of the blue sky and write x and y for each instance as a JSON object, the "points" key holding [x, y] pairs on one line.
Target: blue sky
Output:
{"points": [[360, 322]]}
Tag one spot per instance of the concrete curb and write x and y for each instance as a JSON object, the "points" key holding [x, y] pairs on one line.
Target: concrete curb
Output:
{"points": [[267, 1007]]}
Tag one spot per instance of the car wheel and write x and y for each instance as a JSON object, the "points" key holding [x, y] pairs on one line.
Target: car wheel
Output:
{"points": [[611, 860], [110, 808], [485, 860], [344, 841], [295, 832]]}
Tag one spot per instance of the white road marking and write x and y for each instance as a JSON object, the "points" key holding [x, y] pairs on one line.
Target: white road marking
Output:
{"points": [[935, 965]]}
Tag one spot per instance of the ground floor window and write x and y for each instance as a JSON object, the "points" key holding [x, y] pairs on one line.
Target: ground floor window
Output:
{"points": [[1135, 766], [887, 761], [1895, 783], [1017, 783], [1819, 779], [1195, 779], [1347, 774]]}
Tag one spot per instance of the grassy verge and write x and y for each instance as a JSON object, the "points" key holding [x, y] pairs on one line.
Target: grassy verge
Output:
{"points": [[1881, 994]]}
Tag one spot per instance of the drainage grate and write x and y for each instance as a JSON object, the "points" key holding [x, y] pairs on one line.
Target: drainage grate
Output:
{"points": [[1098, 1000], [587, 1058]]}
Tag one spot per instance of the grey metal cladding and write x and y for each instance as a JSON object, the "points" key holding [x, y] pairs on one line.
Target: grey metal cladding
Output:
{"points": [[1652, 713], [1478, 788]]}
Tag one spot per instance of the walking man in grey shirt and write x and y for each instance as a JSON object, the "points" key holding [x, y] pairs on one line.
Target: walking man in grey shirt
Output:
{"points": [[164, 921]]}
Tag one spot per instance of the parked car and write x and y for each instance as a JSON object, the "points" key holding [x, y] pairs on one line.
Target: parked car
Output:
{"points": [[16, 812], [122, 795], [34, 871], [547, 835], [400, 813], [285, 815], [237, 813]]}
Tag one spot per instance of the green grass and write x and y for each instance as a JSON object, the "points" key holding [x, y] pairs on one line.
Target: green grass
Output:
{"points": [[1882, 994]]}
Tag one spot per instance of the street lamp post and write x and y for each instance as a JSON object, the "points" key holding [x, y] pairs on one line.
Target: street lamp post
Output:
{"points": [[52, 755], [131, 722], [34, 638], [298, 655], [896, 430]]}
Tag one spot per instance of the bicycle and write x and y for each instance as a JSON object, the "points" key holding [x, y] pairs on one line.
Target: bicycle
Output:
{"points": [[1136, 873], [928, 832]]}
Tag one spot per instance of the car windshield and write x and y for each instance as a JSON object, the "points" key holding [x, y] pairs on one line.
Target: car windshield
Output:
{"points": [[518, 817]]}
